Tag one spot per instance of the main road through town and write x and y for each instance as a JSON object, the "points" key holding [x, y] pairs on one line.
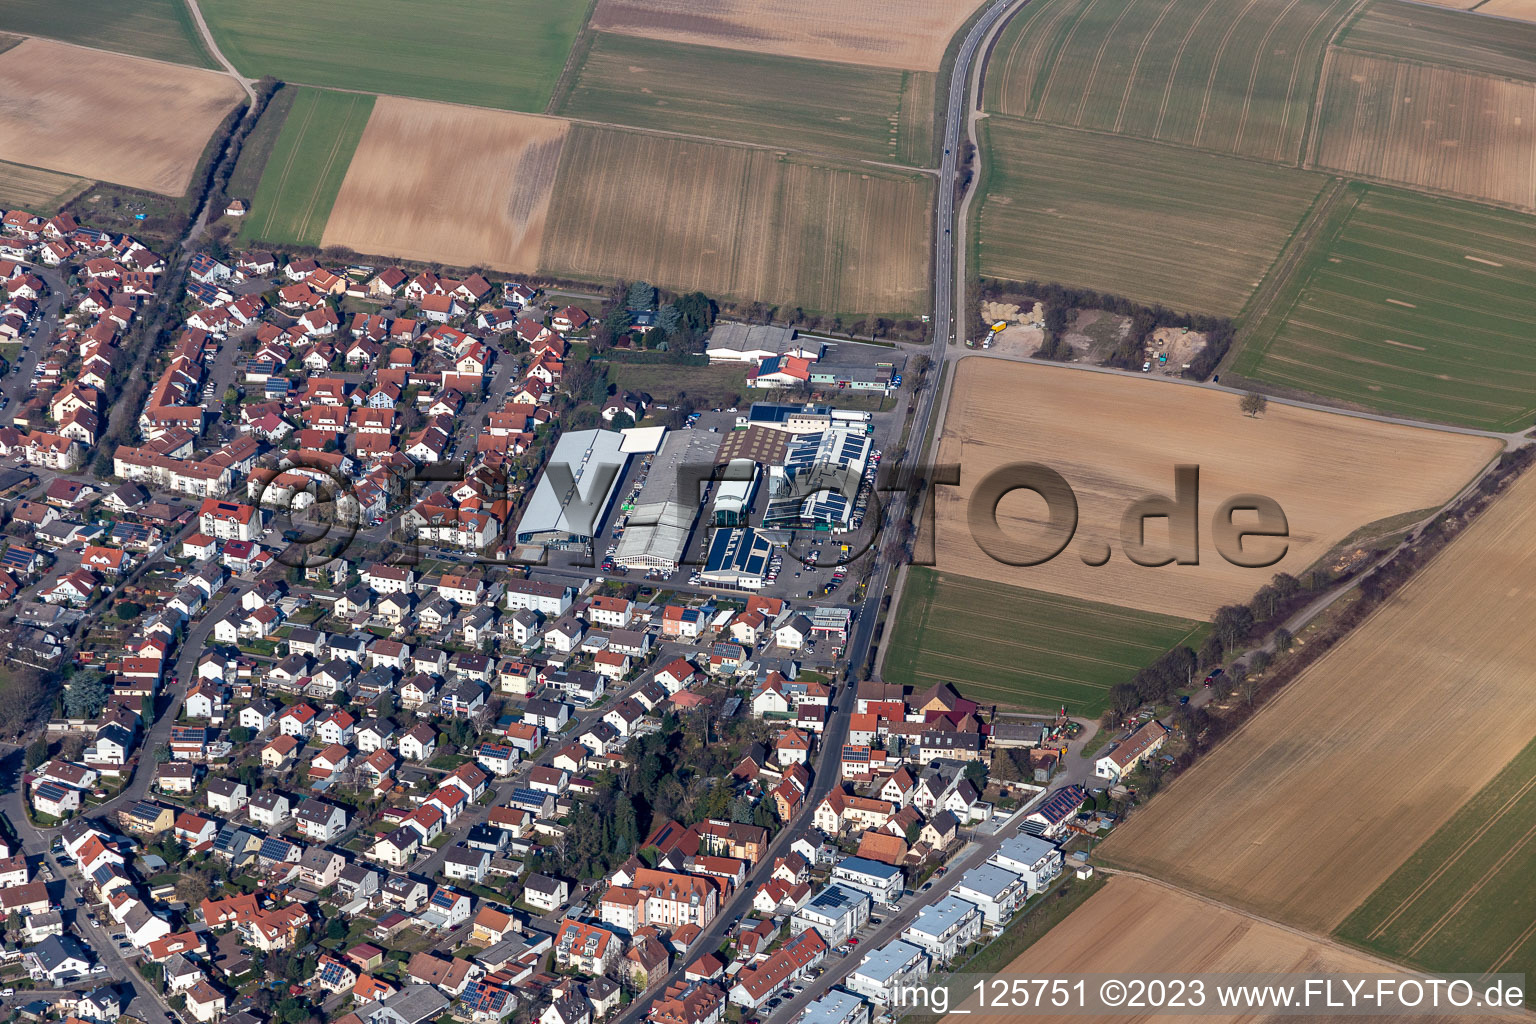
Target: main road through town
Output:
{"points": [[903, 507]]}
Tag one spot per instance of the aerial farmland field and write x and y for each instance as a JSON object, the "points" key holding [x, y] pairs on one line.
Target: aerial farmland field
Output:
{"points": [[505, 54], [1418, 306], [306, 166], [36, 190], [108, 117], [1136, 927], [1160, 224], [443, 183], [1234, 78], [842, 109], [158, 29], [1449, 906], [1116, 439], [1495, 46], [1022, 648], [1440, 651], [911, 34], [738, 222], [1433, 127]]}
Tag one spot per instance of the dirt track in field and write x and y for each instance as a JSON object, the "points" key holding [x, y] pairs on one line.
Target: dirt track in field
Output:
{"points": [[1116, 439], [108, 117], [911, 34], [1136, 927], [1276, 818], [448, 184]]}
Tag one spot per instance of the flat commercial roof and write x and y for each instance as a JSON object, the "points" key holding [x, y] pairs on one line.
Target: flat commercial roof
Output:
{"points": [[578, 483], [642, 440], [658, 528], [881, 965], [763, 445], [736, 555]]}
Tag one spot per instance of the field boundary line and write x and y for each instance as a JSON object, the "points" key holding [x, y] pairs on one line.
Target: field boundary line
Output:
{"points": [[1472, 891], [1141, 51], [1451, 861], [1093, 70], [1276, 285], [1173, 67], [1221, 51], [1514, 947], [1312, 130], [581, 49], [265, 230], [1050, 79], [1210, 901], [330, 159]]}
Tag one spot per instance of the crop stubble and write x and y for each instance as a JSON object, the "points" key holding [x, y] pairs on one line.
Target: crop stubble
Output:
{"points": [[1265, 820], [1434, 127], [909, 34], [1116, 439], [458, 185], [1137, 927], [745, 223], [108, 117], [1234, 77]]}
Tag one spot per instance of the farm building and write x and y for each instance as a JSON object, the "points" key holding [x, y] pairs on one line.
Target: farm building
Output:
{"points": [[752, 343]]}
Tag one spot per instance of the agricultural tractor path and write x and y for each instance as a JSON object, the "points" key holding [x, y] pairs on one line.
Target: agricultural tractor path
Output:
{"points": [[248, 84]]}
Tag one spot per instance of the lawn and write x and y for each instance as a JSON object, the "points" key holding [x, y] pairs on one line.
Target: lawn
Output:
{"points": [[1230, 77], [506, 54], [36, 190], [1022, 648], [1191, 230], [707, 386], [843, 109], [161, 29], [306, 167], [1463, 901], [1412, 305]]}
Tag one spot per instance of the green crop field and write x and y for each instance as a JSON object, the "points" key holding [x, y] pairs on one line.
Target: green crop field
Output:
{"points": [[1190, 230], [246, 177], [161, 29], [36, 190], [1022, 648], [1434, 35], [1413, 305], [1463, 901], [505, 54], [306, 167], [1230, 77], [843, 109]]}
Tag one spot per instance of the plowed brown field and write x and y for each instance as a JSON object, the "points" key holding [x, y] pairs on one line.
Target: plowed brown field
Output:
{"points": [[1136, 927], [1271, 819], [1435, 127], [108, 117], [441, 183], [1116, 439], [909, 34], [745, 223]]}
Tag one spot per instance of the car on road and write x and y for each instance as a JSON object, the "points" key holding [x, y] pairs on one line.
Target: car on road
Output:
{"points": [[925, 887], [1214, 675]]}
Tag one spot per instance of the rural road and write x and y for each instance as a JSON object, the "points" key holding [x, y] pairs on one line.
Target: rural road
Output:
{"points": [[213, 47], [896, 512]]}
